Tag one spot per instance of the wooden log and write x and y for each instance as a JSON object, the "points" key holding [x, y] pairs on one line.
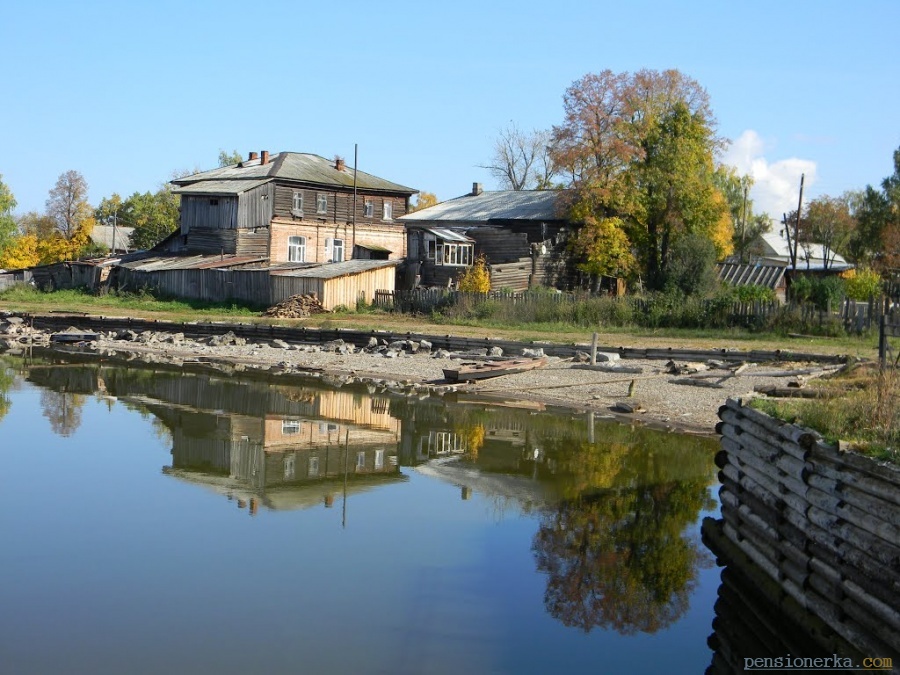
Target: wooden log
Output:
{"points": [[885, 553], [884, 471], [873, 627], [766, 434], [859, 568], [800, 435], [793, 392], [883, 612], [875, 486], [697, 383]]}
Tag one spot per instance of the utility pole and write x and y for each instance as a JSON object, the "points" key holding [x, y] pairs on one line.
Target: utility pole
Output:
{"points": [[355, 163], [743, 226], [115, 223], [797, 225]]}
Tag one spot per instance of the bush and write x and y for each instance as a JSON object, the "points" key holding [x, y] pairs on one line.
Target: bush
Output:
{"points": [[476, 279], [862, 284]]}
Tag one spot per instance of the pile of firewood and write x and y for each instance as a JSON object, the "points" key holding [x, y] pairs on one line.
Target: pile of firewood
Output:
{"points": [[296, 307]]}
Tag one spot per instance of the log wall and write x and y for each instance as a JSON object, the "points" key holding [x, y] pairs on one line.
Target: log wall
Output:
{"points": [[822, 523]]}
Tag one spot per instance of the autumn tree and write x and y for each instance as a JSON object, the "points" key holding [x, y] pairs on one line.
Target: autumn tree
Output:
{"points": [[8, 227], [68, 206], [423, 201], [601, 248], [640, 147], [746, 225], [477, 278], [522, 160], [827, 221]]}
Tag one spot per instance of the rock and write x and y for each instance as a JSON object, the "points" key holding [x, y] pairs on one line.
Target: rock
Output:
{"points": [[296, 307], [607, 356], [280, 344], [391, 354], [440, 354], [372, 344], [495, 351], [397, 345], [332, 345], [425, 345], [413, 346], [15, 320], [532, 353], [581, 357], [626, 407]]}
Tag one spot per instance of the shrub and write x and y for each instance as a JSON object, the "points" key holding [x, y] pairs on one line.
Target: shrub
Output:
{"points": [[862, 284], [477, 278]]}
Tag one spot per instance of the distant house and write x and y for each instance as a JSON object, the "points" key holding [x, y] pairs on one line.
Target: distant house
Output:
{"points": [[520, 234], [774, 247], [291, 207], [114, 238], [767, 274]]}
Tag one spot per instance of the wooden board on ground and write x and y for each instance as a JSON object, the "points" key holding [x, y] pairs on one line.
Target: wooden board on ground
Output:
{"points": [[488, 369]]}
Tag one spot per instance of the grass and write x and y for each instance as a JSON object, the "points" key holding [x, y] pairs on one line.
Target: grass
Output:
{"points": [[865, 412]]}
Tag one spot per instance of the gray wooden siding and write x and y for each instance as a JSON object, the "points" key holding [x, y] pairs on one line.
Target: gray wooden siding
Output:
{"points": [[255, 207], [201, 212], [340, 205]]}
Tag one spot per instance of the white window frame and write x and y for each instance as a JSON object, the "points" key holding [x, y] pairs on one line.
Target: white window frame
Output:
{"points": [[290, 427], [321, 203], [361, 460], [296, 249], [334, 250], [313, 466], [368, 208], [430, 247], [379, 458], [457, 254], [388, 210], [297, 203], [289, 467]]}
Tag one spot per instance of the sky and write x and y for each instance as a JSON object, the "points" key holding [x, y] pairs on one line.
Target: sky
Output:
{"points": [[127, 93]]}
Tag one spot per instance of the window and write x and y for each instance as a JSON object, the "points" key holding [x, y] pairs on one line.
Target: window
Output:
{"points": [[379, 459], [313, 466], [213, 202], [321, 203], [360, 461], [288, 467], [430, 247], [296, 249], [368, 209], [388, 210], [289, 427], [334, 250], [457, 254], [297, 204]]}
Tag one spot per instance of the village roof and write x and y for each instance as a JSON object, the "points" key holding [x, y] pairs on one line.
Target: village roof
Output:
{"points": [[330, 270], [103, 234], [156, 263], [537, 205], [448, 235], [295, 167], [809, 255], [755, 274]]}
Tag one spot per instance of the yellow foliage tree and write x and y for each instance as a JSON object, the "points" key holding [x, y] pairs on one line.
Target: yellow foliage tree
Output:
{"points": [[22, 252], [477, 278]]}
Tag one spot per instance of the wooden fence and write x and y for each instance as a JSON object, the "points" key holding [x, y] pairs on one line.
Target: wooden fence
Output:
{"points": [[852, 315], [822, 523]]}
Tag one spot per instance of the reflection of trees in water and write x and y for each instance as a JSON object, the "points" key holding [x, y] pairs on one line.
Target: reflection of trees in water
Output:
{"points": [[6, 382], [613, 548], [63, 410]]}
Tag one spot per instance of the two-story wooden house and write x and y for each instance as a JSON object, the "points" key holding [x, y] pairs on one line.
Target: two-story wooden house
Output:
{"points": [[291, 207]]}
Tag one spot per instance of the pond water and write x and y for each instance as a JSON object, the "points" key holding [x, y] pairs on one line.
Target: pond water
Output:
{"points": [[160, 521]]}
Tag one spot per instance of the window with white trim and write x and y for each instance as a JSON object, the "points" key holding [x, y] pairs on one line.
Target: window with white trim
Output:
{"points": [[321, 203], [360, 461], [368, 209], [458, 254], [288, 467], [313, 466], [289, 427], [334, 250], [388, 210], [297, 203], [379, 459], [296, 249]]}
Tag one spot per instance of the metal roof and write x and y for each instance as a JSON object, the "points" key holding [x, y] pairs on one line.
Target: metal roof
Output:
{"points": [[103, 234], [499, 205], [751, 275], [449, 235], [333, 270], [287, 166], [234, 186]]}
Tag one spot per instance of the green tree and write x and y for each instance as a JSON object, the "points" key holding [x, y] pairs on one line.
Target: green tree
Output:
{"points": [[692, 267], [746, 225], [828, 222], [153, 215], [8, 228], [230, 158], [641, 147], [601, 248]]}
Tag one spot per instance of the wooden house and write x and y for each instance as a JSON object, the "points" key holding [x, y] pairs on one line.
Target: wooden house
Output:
{"points": [[520, 234], [291, 207]]}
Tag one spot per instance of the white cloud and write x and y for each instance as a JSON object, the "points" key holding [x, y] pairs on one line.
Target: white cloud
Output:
{"points": [[776, 185]]}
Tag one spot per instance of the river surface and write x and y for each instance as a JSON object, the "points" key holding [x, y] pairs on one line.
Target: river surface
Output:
{"points": [[160, 521]]}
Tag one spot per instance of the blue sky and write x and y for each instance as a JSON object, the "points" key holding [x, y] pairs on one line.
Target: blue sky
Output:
{"points": [[128, 93]]}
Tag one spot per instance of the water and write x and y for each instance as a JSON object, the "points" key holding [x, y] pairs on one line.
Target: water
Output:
{"points": [[161, 521]]}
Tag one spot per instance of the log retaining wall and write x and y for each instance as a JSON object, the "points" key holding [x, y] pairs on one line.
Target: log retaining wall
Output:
{"points": [[822, 523]]}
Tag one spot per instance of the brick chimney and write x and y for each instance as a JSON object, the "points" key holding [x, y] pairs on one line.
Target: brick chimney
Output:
{"points": [[339, 163], [476, 189], [252, 156], [264, 157]]}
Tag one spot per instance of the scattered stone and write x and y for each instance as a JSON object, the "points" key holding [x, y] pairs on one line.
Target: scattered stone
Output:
{"points": [[372, 344], [425, 345], [495, 351], [581, 357], [332, 345], [440, 354], [280, 344], [533, 353], [605, 357]]}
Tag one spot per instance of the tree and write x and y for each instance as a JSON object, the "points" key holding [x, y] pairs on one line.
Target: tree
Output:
{"points": [[745, 224], [154, 216], [63, 411], [7, 222], [522, 160], [67, 204], [477, 278], [228, 159], [641, 148], [423, 201], [601, 248], [828, 222], [692, 268]]}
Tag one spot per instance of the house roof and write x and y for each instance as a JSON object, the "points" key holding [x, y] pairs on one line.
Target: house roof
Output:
{"points": [[539, 205], [284, 166], [157, 263], [331, 270], [809, 256], [103, 234], [449, 235], [768, 275]]}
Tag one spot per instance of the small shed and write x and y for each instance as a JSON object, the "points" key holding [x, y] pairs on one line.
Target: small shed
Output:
{"points": [[335, 284]]}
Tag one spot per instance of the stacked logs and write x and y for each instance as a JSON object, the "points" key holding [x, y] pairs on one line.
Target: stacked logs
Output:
{"points": [[824, 524], [296, 307]]}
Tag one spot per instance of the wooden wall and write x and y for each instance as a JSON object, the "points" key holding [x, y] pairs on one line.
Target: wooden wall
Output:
{"points": [[340, 205], [200, 212]]}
